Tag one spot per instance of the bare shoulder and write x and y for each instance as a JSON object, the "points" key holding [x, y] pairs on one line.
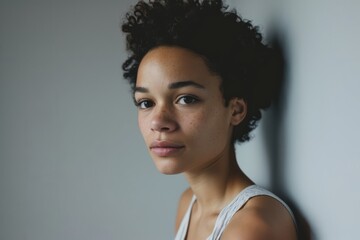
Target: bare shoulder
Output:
{"points": [[262, 218], [183, 205]]}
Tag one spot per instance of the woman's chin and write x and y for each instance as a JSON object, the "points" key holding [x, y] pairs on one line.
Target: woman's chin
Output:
{"points": [[167, 166]]}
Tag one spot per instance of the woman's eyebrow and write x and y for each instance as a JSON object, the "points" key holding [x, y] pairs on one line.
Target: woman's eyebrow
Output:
{"points": [[141, 89], [185, 84]]}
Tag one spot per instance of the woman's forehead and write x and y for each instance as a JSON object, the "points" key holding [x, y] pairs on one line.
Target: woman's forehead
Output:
{"points": [[174, 64]]}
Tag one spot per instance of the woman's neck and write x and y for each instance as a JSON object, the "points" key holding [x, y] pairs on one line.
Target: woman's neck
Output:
{"points": [[217, 184]]}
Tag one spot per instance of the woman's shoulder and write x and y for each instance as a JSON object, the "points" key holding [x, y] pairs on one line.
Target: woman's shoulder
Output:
{"points": [[183, 205], [261, 218]]}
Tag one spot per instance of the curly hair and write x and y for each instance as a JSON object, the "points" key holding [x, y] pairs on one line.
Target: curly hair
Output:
{"points": [[230, 45]]}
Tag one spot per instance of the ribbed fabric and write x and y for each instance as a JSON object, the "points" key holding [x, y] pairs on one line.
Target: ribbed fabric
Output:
{"points": [[181, 234], [228, 212]]}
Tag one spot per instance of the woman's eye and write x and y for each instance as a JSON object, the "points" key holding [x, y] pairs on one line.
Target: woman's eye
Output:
{"points": [[187, 100], [143, 104]]}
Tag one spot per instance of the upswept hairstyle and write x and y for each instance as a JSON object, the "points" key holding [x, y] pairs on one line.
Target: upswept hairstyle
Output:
{"points": [[231, 47]]}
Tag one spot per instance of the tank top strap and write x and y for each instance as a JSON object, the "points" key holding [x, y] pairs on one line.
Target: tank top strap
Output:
{"points": [[238, 202], [228, 212], [183, 228]]}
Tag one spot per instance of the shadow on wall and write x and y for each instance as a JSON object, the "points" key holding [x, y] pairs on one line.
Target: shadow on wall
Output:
{"points": [[275, 141]]}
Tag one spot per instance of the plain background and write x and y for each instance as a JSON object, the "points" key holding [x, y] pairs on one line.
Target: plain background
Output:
{"points": [[73, 164]]}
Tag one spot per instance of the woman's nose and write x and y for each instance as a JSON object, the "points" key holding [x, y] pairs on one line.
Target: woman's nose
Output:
{"points": [[163, 121]]}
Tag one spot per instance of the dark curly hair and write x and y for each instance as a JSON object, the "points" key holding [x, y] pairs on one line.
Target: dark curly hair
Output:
{"points": [[231, 47]]}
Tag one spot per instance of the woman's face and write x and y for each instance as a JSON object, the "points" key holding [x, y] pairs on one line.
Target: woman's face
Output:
{"points": [[181, 111]]}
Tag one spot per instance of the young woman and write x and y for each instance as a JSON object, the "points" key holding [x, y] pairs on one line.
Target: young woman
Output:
{"points": [[200, 76]]}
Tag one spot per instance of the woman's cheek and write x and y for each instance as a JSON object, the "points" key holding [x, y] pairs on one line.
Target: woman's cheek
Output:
{"points": [[196, 122]]}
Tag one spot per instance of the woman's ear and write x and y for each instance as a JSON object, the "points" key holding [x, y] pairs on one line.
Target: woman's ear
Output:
{"points": [[239, 110]]}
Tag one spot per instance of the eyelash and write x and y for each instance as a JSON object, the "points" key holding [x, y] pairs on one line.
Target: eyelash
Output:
{"points": [[193, 100], [143, 101]]}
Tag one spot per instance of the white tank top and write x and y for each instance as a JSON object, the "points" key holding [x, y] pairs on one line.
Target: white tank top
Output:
{"points": [[227, 212]]}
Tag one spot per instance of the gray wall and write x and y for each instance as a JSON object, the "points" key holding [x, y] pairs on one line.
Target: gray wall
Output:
{"points": [[72, 161], [319, 132]]}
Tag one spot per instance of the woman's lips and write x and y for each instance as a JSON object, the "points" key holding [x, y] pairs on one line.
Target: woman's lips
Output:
{"points": [[165, 148]]}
